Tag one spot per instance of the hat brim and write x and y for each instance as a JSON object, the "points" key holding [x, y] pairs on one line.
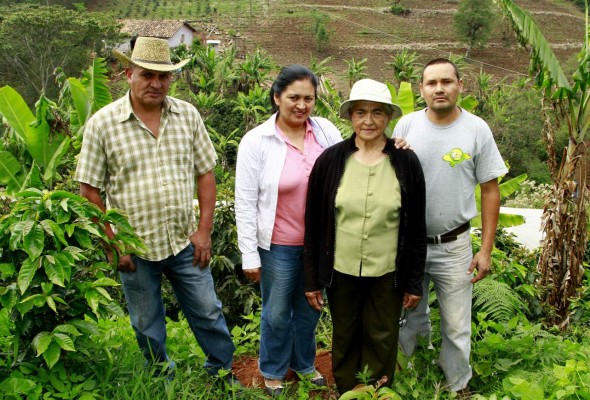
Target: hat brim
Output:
{"points": [[160, 67], [345, 108]]}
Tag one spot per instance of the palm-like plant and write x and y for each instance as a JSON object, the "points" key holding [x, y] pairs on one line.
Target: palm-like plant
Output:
{"points": [[565, 219], [254, 71], [403, 67], [320, 69], [355, 70], [252, 106]]}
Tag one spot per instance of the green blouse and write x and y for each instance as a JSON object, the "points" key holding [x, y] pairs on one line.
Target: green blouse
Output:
{"points": [[368, 205]]}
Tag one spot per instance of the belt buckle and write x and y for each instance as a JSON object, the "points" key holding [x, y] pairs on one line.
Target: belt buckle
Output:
{"points": [[437, 239]]}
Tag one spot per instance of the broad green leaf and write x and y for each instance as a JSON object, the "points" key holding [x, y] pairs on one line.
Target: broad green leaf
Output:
{"points": [[80, 100], [6, 324], [85, 326], [33, 178], [69, 328], [104, 293], [30, 192], [17, 385], [55, 159], [7, 270], [119, 218], [511, 186], [95, 80], [105, 282], [27, 273], [34, 241], [93, 299], [64, 341], [468, 103], [8, 296], [528, 29], [508, 220], [51, 303], [9, 169], [51, 354], [57, 383], [83, 238], [55, 273], [16, 111], [62, 194], [41, 342]]}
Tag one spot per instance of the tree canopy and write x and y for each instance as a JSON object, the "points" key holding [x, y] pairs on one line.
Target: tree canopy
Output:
{"points": [[35, 40]]}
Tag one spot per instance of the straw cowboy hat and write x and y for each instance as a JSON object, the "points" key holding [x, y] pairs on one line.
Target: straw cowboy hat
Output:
{"points": [[151, 53], [369, 90]]}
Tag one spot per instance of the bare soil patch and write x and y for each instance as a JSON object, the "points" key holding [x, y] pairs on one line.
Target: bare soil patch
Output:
{"points": [[246, 369]]}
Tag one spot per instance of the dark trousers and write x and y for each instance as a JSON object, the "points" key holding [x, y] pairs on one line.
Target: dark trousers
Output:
{"points": [[365, 316]]}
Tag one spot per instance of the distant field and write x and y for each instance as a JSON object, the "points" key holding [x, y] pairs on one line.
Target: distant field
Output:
{"points": [[367, 30]]}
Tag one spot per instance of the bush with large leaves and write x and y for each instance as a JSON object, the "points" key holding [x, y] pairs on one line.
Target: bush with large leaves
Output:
{"points": [[53, 284]]}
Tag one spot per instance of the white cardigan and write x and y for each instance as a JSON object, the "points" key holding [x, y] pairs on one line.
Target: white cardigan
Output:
{"points": [[261, 156]]}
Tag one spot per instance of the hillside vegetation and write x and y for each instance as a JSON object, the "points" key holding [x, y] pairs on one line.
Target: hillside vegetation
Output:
{"points": [[366, 30]]}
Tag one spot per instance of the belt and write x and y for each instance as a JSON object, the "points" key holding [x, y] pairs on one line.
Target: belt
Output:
{"points": [[450, 236]]}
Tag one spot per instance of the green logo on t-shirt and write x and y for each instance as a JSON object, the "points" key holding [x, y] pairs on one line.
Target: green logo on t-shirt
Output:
{"points": [[456, 156]]}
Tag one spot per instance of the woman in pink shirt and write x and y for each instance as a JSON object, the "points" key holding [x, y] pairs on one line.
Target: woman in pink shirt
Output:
{"points": [[273, 167]]}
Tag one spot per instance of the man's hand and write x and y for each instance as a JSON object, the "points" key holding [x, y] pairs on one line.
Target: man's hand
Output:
{"points": [[202, 243], [401, 143], [315, 299], [411, 301], [252, 274], [483, 262], [124, 264]]}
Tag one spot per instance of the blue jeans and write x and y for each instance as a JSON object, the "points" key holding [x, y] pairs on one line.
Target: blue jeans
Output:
{"points": [[446, 266], [288, 322], [196, 295]]}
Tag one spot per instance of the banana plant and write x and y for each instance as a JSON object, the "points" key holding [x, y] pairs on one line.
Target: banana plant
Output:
{"points": [[565, 218], [505, 220], [43, 146]]}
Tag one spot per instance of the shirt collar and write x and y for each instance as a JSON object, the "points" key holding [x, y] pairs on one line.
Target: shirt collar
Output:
{"points": [[127, 108]]}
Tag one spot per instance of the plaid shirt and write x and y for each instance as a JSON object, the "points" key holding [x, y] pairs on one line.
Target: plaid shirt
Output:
{"points": [[151, 179]]}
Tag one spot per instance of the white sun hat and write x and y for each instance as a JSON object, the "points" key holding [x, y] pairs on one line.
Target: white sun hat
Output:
{"points": [[369, 90]]}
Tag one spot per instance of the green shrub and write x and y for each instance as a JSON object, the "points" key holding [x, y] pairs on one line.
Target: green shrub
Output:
{"points": [[54, 285]]}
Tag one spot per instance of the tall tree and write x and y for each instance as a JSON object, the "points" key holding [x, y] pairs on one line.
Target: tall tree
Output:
{"points": [[35, 40], [565, 218], [473, 23]]}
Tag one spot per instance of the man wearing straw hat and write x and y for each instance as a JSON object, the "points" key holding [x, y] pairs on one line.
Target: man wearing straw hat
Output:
{"points": [[146, 151]]}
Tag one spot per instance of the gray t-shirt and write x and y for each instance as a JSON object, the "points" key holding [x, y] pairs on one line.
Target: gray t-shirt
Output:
{"points": [[454, 158]]}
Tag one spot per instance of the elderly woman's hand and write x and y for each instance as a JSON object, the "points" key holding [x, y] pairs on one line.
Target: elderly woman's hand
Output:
{"points": [[411, 301], [252, 274], [315, 299]]}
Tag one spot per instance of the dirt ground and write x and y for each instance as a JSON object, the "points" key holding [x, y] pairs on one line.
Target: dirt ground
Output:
{"points": [[366, 30], [246, 369]]}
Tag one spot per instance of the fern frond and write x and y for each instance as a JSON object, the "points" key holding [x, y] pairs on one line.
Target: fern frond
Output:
{"points": [[498, 300]]}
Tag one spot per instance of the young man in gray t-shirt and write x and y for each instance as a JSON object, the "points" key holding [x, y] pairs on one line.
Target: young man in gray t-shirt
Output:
{"points": [[457, 151]]}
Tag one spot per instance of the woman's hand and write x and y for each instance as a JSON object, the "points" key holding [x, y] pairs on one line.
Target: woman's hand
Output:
{"points": [[411, 301], [252, 274], [315, 299]]}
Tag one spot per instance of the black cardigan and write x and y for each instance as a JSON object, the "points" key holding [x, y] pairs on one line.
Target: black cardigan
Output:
{"points": [[320, 217]]}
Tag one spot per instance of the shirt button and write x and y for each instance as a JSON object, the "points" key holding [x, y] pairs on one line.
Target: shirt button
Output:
{"points": [[368, 215], [370, 193], [364, 257], [365, 237]]}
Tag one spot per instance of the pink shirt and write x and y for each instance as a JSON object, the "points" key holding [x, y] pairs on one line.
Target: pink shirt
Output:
{"points": [[289, 225]]}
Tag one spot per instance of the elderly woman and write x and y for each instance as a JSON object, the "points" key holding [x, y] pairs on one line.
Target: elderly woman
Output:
{"points": [[365, 237], [273, 167]]}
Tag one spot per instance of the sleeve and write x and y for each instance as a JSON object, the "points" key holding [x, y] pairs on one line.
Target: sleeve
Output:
{"points": [[401, 128], [313, 216], [248, 169], [417, 228], [203, 150], [92, 161], [488, 163]]}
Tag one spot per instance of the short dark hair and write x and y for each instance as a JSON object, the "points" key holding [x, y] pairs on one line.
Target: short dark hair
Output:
{"points": [[287, 76], [441, 61]]}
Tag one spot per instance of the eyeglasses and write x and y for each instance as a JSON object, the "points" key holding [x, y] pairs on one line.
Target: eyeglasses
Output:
{"points": [[403, 318]]}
